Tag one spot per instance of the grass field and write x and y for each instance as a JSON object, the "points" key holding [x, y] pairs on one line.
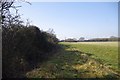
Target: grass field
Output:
{"points": [[80, 60], [107, 52]]}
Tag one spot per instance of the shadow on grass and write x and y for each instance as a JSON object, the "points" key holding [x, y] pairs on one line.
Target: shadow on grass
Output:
{"points": [[67, 62], [81, 59]]}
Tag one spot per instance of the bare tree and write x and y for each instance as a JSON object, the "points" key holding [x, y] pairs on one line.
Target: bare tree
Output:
{"points": [[5, 6], [7, 19]]}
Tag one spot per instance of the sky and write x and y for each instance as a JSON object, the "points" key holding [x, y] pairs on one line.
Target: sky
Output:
{"points": [[73, 19]]}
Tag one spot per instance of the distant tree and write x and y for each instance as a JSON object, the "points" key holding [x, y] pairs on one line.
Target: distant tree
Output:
{"points": [[81, 39], [74, 39], [71, 40], [113, 38]]}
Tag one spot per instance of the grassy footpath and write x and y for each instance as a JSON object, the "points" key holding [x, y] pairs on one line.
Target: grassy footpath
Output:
{"points": [[106, 52], [70, 62]]}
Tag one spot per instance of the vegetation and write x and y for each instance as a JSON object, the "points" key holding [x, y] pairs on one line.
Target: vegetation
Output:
{"points": [[107, 52], [82, 39], [70, 62], [28, 52], [23, 47]]}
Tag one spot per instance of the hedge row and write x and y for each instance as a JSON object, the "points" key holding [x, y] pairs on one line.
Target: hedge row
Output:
{"points": [[23, 48]]}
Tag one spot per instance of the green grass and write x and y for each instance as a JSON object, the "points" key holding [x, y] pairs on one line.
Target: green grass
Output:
{"points": [[107, 52], [73, 60]]}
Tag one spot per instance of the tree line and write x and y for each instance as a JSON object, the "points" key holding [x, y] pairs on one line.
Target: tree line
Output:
{"points": [[82, 39]]}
